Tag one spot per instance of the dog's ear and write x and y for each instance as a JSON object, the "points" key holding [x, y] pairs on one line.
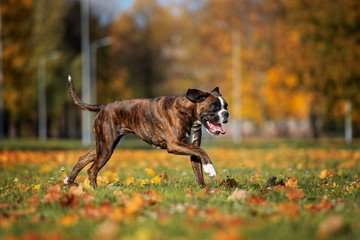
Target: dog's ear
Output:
{"points": [[195, 95], [216, 90]]}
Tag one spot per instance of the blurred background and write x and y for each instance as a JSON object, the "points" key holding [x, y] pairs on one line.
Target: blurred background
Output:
{"points": [[286, 68]]}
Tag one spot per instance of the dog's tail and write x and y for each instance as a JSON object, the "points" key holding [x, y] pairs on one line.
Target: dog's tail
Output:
{"points": [[78, 102]]}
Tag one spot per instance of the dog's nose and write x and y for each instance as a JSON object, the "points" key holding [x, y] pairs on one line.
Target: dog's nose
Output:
{"points": [[225, 114]]}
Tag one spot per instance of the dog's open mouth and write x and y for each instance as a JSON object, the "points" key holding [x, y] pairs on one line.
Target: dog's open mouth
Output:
{"points": [[214, 128]]}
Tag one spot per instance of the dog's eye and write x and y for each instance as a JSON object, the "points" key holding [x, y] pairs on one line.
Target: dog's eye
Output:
{"points": [[214, 106]]}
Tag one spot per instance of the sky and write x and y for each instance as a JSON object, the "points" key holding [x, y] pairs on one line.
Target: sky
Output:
{"points": [[115, 7]]}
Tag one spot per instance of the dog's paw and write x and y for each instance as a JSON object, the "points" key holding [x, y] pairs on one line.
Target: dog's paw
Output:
{"points": [[209, 170]]}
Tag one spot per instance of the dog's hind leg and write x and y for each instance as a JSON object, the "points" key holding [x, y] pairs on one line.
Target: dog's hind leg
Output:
{"points": [[106, 140], [83, 161]]}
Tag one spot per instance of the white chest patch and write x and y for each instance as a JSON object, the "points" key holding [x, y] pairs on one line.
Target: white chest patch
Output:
{"points": [[194, 128], [220, 113]]}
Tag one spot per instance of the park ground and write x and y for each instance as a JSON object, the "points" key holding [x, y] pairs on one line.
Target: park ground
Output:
{"points": [[264, 189]]}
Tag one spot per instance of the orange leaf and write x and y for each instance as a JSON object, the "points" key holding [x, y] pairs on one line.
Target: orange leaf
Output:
{"points": [[291, 182], [290, 209], [117, 215], [324, 205], [153, 195], [135, 204], [68, 220], [69, 201], [77, 190], [327, 173], [255, 200], [53, 193], [295, 194]]}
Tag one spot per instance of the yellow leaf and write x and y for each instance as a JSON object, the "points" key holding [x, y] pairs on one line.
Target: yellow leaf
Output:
{"points": [[102, 180], [36, 187], [130, 180], [323, 174], [156, 180], [143, 183], [150, 172], [87, 183]]}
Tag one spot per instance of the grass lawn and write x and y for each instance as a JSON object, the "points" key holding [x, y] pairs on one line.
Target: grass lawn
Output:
{"points": [[276, 189]]}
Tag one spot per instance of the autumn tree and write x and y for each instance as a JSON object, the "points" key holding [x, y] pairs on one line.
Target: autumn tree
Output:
{"points": [[17, 51]]}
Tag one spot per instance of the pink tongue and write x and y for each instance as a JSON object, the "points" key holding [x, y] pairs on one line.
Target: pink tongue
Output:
{"points": [[214, 127]]}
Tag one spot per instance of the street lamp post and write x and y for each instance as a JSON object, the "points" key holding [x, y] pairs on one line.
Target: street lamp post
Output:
{"points": [[42, 92], [94, 46], [348, 127], [236, 79], [1, 86], [85, 73]]}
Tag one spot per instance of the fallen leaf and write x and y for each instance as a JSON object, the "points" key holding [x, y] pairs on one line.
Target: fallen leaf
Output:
{"points": [[36, 187], [69, 200], [295, 194], [327, 173], [149, 172], [130, 180], [68, 220], [53, 193], [87, 198], [239, 195], [324, 205], [164, 176], [156, 180], [77, 190], [117, 215], [291, 182], [255, 200], [154, 196], [290, 209], [135, 204], [229, 183]]}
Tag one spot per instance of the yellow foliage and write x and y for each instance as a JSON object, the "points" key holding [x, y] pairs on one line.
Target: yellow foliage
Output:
{"points": [[36, 187], [156, 180], [150, 172], [135, 204], [130, 180]]}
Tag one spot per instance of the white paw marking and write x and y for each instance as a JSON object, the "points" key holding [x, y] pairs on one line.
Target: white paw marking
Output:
{"points": [[209, 170], [69, 78], [66, 180]]}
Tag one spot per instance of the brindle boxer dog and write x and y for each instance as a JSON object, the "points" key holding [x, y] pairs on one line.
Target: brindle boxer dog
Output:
{"points": [[167, 122]]}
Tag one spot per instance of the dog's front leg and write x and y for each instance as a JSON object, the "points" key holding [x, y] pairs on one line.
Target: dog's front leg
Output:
{"points": [[181, 148], [195, 141]]}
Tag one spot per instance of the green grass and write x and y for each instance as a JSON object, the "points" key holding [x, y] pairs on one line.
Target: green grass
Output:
{"points": [[186, 210], [133, 142]]}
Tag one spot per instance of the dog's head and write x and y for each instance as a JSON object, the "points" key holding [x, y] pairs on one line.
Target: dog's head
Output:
{"points": [[211, 109]]}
